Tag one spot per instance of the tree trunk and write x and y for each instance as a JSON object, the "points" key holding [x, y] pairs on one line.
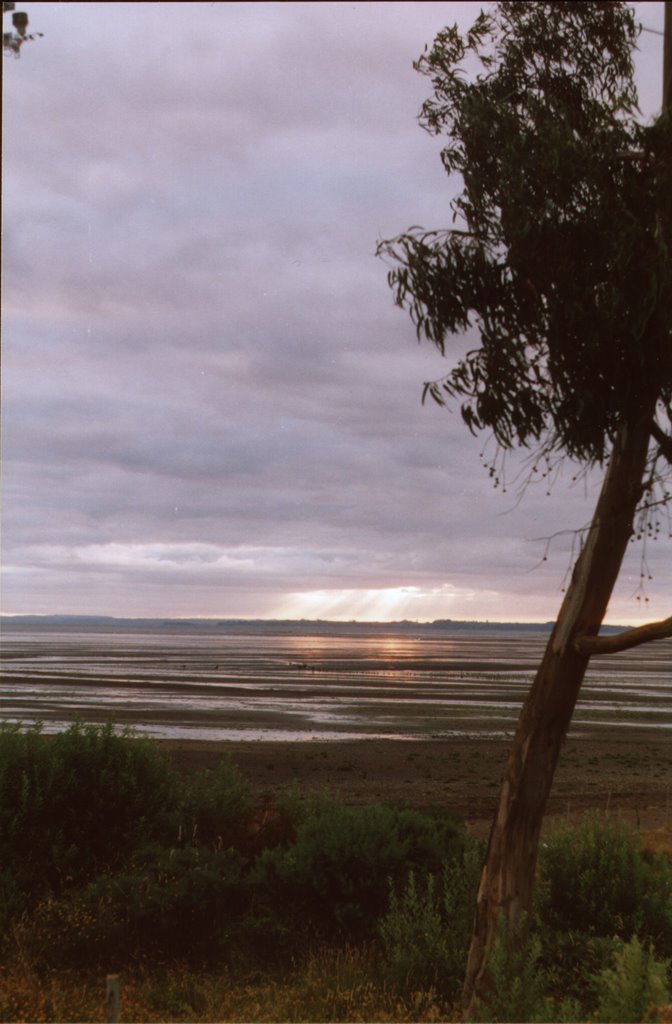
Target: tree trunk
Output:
{"points": [[507, 878]]}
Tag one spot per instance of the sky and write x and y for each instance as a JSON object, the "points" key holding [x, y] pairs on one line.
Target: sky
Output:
{"points": [[211, 406]]}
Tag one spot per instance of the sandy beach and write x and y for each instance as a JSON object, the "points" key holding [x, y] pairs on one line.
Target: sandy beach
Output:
{"points": [[629, 774]]}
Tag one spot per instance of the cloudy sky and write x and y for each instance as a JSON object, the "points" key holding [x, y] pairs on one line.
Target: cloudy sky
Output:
{"points": [[211, 406]]}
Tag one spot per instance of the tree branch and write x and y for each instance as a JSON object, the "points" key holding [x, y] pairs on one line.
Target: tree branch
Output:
{"points": [[624, 641], [664, 441]]}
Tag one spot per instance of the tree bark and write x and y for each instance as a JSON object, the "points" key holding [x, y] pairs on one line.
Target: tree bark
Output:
{"points": [[507, 878], [624, 641]]}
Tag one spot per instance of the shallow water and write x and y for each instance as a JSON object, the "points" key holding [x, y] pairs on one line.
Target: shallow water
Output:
{"points": [[212, 684]]}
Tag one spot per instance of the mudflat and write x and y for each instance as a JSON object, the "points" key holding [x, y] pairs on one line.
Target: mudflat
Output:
{"points": [[628, 774]]}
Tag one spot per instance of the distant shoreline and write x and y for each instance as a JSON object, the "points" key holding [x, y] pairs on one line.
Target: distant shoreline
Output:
{"points": [[282, 626]]}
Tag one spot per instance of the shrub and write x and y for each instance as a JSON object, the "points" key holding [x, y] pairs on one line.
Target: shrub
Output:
{"points": [[597, 888], [518, 984], [334, 878], [571, 960], [180, 904], [214, 808], [76, 803], [425, 933], [634, 988], [595, 879], [414, 935]]}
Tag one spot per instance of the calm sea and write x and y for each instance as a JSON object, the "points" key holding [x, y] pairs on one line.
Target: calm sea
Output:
{"points": [[303, 684]]}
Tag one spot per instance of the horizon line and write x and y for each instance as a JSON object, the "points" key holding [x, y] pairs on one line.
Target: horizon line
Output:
{"points": [[215, 619]]}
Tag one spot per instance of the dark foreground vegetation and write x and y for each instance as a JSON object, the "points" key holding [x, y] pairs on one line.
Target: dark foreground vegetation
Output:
{"points": [[214, 905]]}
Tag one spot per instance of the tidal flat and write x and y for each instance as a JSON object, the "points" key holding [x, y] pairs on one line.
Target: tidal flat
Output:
{"points": [[410, 715]]}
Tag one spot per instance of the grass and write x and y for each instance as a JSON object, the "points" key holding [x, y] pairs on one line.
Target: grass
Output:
{"points": [[329, 986]]}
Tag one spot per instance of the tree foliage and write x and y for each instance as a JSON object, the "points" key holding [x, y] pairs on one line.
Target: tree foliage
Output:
{"points": [[558, 256]]}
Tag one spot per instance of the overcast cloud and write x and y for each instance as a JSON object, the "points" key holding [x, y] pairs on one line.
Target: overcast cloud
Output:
{"points": [[211, 406]]}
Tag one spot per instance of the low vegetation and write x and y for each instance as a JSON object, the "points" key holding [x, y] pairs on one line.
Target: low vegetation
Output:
{"points": [[213, 904]]}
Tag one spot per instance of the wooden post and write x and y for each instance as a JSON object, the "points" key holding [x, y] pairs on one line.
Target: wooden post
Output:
{"points": [[112, 998]]}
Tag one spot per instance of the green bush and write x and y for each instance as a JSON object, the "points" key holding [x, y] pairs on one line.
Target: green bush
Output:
{"points": [[76, 803], [214, 808], [168, 905], [572, 960], [518, 988], [597, 888], [596, 880], [425, 933], [334, 878], [414, 936], [516, 984], [634, 988]]}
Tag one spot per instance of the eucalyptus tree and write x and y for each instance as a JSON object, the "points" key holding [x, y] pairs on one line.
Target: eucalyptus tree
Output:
{"points": [[558, 260]]}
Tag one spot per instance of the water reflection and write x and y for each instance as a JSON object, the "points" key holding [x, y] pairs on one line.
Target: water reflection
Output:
{"points": [[287, 686]]}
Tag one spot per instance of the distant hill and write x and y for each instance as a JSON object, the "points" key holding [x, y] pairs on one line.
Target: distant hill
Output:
{"points": [[271, 626]]}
